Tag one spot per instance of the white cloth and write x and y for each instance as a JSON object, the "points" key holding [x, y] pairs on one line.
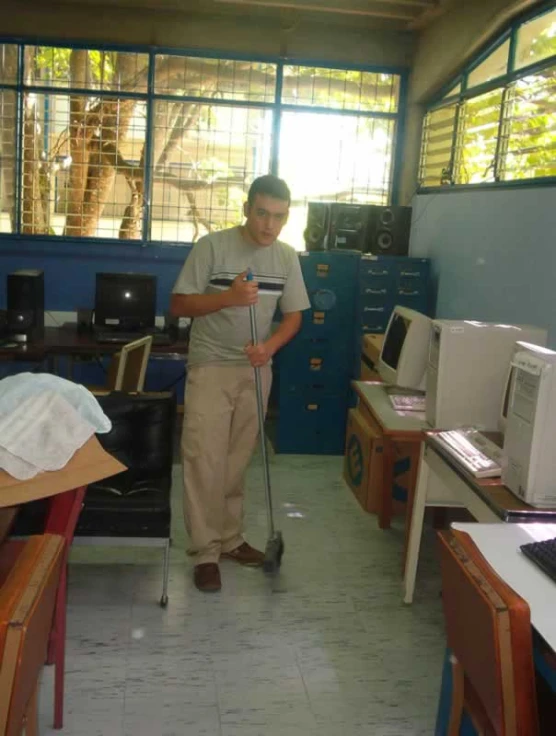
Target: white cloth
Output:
{"points": [[44, 419], [42, 433], [15, 389]]}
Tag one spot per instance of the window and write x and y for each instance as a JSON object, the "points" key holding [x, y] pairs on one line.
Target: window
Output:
{"points": [[345, 155], [477, 138], [496, 65], [438, 138], [531, 127], [162, 147], [504, 116]]}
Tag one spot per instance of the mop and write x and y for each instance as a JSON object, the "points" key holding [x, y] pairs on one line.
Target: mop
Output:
{"points": [[275, 544]]}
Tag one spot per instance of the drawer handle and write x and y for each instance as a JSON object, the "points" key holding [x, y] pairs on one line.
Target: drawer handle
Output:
{"points": [[373, 309], [407, 292], [410, 273], [375, 291], [370, 272]]}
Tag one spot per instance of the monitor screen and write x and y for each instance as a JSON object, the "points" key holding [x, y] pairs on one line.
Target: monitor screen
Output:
{"points": [[125, 300], [394, 341]]}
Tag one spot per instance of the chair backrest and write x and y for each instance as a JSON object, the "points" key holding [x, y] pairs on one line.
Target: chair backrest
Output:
{"points": [[129, 366], [488, 628], [27, 599]]}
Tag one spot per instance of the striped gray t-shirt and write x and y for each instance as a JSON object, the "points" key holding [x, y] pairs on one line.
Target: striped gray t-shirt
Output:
{"points": [[212, 265]]}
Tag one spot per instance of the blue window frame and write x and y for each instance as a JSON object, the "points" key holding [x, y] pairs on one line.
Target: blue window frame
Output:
{"points": [[495, 124], [160, 146]]}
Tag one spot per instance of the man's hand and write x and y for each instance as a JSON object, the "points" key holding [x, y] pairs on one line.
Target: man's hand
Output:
{"points": [[242, 293], [258, 355]]}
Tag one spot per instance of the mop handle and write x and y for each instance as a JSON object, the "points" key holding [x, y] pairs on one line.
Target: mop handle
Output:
{"points": [[260, 412]]}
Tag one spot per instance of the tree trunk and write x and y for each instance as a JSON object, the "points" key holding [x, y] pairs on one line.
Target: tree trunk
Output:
{"points": [[80, 137]]}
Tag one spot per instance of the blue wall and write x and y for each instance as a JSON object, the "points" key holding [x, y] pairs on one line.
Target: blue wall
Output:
{"points": [[493, 253], [70, 268]]}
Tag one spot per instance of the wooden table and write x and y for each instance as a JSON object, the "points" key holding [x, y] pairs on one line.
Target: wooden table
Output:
{"points": [[65, 340], [443, 481], [7, 518], [394, 428]]}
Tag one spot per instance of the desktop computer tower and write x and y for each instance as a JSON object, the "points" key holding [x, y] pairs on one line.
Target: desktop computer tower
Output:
{"points": [[467, 369], [530, 466], [25, 305], [388, 230]]}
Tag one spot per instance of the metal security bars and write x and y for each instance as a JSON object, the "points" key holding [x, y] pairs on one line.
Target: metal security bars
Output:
{"points": [[153, 147], [497, 123]]}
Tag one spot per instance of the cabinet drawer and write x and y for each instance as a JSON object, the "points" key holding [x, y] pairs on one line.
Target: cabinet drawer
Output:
{"points": [[328, 270]]}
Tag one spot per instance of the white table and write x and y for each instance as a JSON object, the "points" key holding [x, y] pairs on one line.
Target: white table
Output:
{"points": [[499, 544], [442, 481]]}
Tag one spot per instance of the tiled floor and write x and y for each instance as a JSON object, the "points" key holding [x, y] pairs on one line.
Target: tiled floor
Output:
{"points": [[326, 648]]}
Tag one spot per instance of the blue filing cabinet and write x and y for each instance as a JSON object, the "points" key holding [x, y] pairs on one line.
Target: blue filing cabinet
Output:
{"points": [[351, 295], [316, 367], [385, 281]]}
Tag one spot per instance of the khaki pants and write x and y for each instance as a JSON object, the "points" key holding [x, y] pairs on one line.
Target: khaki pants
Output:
{"points": [[220, 429]]}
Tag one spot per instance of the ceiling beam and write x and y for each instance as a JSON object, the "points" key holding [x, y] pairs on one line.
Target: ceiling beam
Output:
{"points": [[312, 7]]}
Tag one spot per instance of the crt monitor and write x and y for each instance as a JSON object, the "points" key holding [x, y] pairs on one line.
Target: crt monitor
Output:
{"points": [[125, 300], [403, 357]]}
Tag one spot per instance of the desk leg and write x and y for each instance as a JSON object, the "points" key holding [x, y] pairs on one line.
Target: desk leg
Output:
{"points": [[385, 500], [411, 484], [416, 526]]}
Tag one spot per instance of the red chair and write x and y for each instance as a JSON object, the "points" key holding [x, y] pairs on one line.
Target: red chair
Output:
{"points": [[62, 516], [488, 628]]}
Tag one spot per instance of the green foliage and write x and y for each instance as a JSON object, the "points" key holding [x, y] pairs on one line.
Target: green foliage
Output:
{"points": [[523, 113]]}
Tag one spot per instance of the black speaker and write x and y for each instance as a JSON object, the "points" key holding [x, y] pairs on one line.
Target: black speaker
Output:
{"points": [[388, 230], [316, 231], [348, 226], [25, 303], [84, 320]]}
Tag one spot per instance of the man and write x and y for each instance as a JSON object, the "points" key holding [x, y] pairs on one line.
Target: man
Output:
{"points": [[220, 416]]}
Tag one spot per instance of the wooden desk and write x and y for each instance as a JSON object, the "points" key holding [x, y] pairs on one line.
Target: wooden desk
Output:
{"points": [[394, 428], [65, 340], [442, 481], [7, 518]]}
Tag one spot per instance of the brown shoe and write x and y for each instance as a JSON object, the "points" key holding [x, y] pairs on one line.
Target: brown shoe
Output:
{"points": [[207, 577], [245, 555]]}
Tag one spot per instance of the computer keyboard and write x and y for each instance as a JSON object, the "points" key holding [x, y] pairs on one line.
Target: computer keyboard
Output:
{"points": [[406, 402], [121, 338], [481, 457], [542, 554]]}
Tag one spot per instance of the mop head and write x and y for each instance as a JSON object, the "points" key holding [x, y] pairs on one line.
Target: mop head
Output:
{"points": [[273, 554]]}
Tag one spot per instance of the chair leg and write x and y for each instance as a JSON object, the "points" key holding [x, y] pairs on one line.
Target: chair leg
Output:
{"points": [[164, 599], [31, 717], [60, 648], [456, 709]]}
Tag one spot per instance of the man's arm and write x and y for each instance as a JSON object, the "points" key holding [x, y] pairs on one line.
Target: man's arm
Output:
{"points": [[197, 305], [287, 329], [240, 294]]}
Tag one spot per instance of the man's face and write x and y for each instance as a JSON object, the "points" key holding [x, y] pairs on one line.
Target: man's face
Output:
{"points": [[265, 218]]}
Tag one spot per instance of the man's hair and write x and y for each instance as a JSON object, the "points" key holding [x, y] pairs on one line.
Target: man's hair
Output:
{"points": [[270, 185]]}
